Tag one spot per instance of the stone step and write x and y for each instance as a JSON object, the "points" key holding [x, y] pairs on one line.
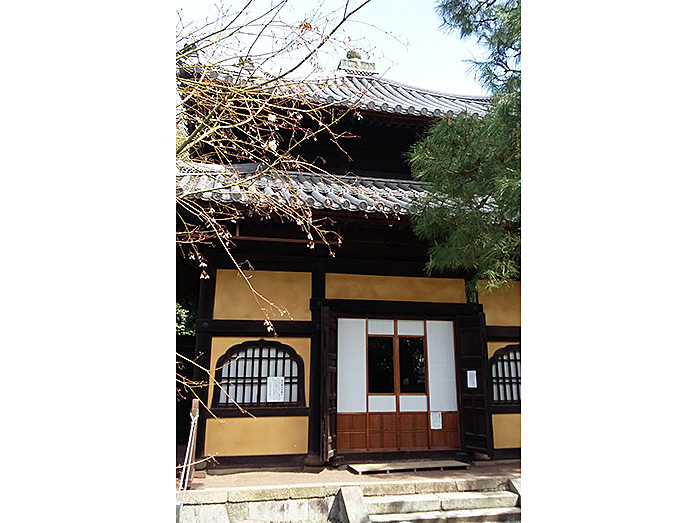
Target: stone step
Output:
{"points": [[440, 501], [428, 486], [489, 515]]}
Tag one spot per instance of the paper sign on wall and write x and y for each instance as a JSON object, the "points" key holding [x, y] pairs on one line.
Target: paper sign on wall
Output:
{"points": [[275, 388], [436, 421], [471, 379]]}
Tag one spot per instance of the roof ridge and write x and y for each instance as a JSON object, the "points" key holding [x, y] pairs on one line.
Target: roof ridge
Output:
{"points": [[245, 168]]}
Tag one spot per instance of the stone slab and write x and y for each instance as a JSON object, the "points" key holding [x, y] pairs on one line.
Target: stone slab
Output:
{"points": [[307, 491], [403, 504], [482, 483], [426, 487], [290, 510], [275, 493], [237, 511], [477, 500], [388, 489], [453, 516], [197, 497], [204, 513], [349, 507], [514, 486]]}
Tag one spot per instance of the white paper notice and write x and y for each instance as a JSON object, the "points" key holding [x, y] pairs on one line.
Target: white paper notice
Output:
{"points": [[436, 421], [275, 388], [471, 379]]}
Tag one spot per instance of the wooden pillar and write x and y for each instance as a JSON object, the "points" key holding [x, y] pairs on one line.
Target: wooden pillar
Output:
{"points": [[206, 299], [314, 422]]}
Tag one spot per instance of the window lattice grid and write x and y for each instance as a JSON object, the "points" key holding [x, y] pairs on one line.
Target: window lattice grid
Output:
{"points": [[505, 374], [244, 378]]}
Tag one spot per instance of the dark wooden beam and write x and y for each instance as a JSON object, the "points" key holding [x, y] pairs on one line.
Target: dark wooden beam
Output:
{"points": [[502, 333], [255, 328], [397, 309], [232, 412]]}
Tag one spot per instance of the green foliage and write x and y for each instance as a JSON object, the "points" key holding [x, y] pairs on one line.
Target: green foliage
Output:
{"points": [[472, 213], [186, 317], [496, 26]]}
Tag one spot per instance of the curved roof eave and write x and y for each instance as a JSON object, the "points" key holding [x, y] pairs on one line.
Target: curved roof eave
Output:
{"points": [[330, 192], [383, 95]]}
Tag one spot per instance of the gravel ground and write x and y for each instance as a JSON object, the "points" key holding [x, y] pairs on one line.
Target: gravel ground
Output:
{"points": [[256, 478]]}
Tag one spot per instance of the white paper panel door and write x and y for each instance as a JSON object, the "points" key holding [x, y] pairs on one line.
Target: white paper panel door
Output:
{"points": [[382, 403], [413, 403], [351, 364], [442, 391]]}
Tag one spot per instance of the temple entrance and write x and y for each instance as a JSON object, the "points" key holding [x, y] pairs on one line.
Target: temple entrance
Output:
{"points": [[396, 387]]}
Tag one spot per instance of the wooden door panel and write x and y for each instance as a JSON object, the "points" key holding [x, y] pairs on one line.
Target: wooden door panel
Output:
{"points": [[382, 431], [471, 356]]}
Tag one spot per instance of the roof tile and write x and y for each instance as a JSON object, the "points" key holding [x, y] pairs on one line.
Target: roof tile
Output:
{"points": [[351, 193], [380, 94]]}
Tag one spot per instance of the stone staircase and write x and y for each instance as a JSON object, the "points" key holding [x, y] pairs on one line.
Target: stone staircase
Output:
{"points": [[482, 500]]}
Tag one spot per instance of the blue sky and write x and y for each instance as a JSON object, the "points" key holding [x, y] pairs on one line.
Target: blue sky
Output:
{"points": [[404, 39]]}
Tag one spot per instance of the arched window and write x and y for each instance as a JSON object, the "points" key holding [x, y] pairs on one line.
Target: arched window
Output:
{"points": [[264, 377], [505, 376]]}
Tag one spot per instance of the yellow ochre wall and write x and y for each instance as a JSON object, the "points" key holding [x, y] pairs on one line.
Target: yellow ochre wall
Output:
{"points": [[256, 436], [502, 306], [394, 288], [493, 346], [506, 427], [235, 301], [506, 431], [246, 436]]}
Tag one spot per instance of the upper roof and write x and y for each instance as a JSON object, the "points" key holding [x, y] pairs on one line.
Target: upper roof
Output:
{"points": [[389, 96], [354, 85], [234, 183]]}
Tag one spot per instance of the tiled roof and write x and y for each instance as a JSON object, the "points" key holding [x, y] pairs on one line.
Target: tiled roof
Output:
{"points": [[356, 84], [232, 184], [388, 96]]}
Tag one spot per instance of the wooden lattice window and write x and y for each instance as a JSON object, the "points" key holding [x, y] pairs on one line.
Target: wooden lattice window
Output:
{"points": [[505, 376], [265, 377]]}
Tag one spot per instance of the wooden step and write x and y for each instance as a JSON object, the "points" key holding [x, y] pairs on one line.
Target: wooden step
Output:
{"points": [[394, 466]]}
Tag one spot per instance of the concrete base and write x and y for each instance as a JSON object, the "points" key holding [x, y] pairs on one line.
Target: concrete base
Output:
{"points": [[490, 462]]}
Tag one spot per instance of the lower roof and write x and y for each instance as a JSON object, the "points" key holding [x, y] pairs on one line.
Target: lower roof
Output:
{"points": [[238, 183]]}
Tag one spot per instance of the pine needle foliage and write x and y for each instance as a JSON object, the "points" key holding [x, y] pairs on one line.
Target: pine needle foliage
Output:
{"points": [[472, 215], [496, 26]]}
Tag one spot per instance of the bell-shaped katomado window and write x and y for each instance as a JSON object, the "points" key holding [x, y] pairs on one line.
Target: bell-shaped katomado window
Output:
{"points": [[259, 375]]}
